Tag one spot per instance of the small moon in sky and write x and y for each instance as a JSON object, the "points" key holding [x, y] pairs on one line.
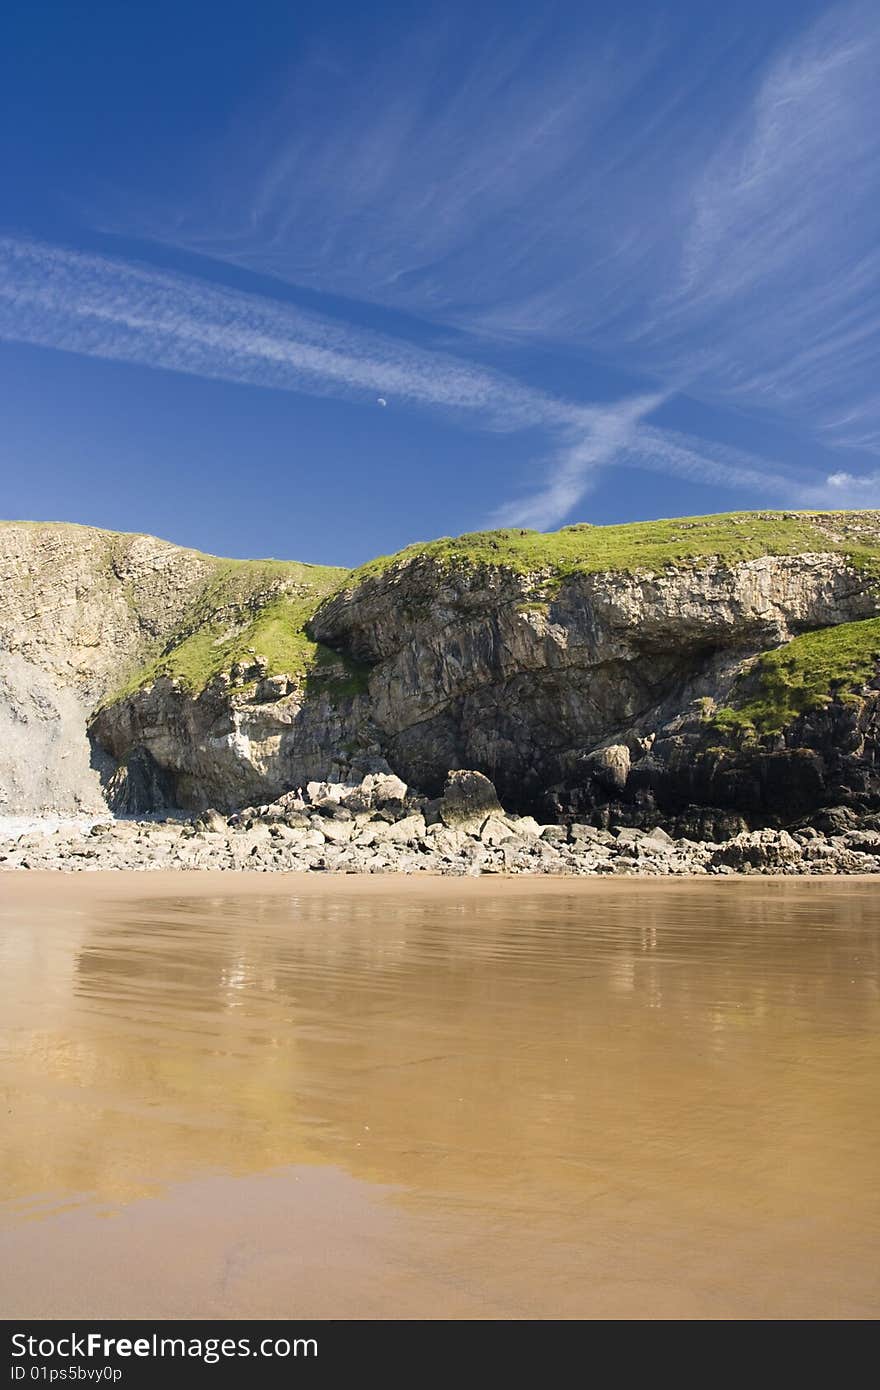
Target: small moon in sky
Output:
{"points": [[380, 400]]}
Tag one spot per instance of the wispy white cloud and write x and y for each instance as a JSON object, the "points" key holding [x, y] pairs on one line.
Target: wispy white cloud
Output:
{"points": [[778, 300], [106, 308], [102, 307], [622, 437], [430, 177], [711, 464], [717, 227], [601, 436], [755, 277]]}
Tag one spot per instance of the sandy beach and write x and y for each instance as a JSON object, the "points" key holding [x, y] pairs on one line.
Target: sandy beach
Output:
{"points": [[235, 1095]]}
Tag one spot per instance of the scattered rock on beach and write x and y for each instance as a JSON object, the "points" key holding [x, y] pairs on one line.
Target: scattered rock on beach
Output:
{"points": [[381, 826]]}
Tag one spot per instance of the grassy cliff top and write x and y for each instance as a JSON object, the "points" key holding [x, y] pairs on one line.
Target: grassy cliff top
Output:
{"points": [[805, 674], [261, 608], [246, 608], [649, 545]]}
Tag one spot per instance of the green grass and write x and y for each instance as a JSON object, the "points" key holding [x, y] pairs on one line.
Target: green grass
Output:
{"points": [[803, 675], [249, 609], [648, 545], [244, 609]]}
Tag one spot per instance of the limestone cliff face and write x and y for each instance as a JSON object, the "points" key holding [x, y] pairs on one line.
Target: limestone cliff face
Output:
{"points": [[229, 747], [78, 607], [135, 672], [82, 609], [476, 668]]}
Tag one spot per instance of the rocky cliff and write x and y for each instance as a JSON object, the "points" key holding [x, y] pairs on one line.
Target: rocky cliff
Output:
{"points": [[89, 615], [77, 606], [702, 673]]}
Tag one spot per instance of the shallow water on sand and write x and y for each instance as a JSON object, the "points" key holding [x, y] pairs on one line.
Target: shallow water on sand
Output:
{"points": [[248, 1096]]}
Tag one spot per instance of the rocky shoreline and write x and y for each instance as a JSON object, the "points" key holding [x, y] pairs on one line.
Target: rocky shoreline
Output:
{"points": [[379, 826]]}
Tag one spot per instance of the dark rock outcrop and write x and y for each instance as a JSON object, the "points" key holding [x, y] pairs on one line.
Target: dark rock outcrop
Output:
{"points": [[138, 785], [710, 788]]}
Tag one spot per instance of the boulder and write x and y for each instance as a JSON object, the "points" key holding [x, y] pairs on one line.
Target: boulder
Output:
{"points": [[525, 826], [579, 831], [759, 849], [377, 791], [495, 831], [610, 766], [320, 793], [835, 820], [659, 834], [306, 839], [629, 835], [554, 834], [864, 841], [337, 832], [450, 844], [401, 832], [468, 799]]}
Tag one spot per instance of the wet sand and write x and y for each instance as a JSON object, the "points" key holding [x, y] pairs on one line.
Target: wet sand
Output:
{"points": [[283, 1096]]}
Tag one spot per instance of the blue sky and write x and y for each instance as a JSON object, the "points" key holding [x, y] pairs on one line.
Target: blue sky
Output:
{"points": [[599, 261]]}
